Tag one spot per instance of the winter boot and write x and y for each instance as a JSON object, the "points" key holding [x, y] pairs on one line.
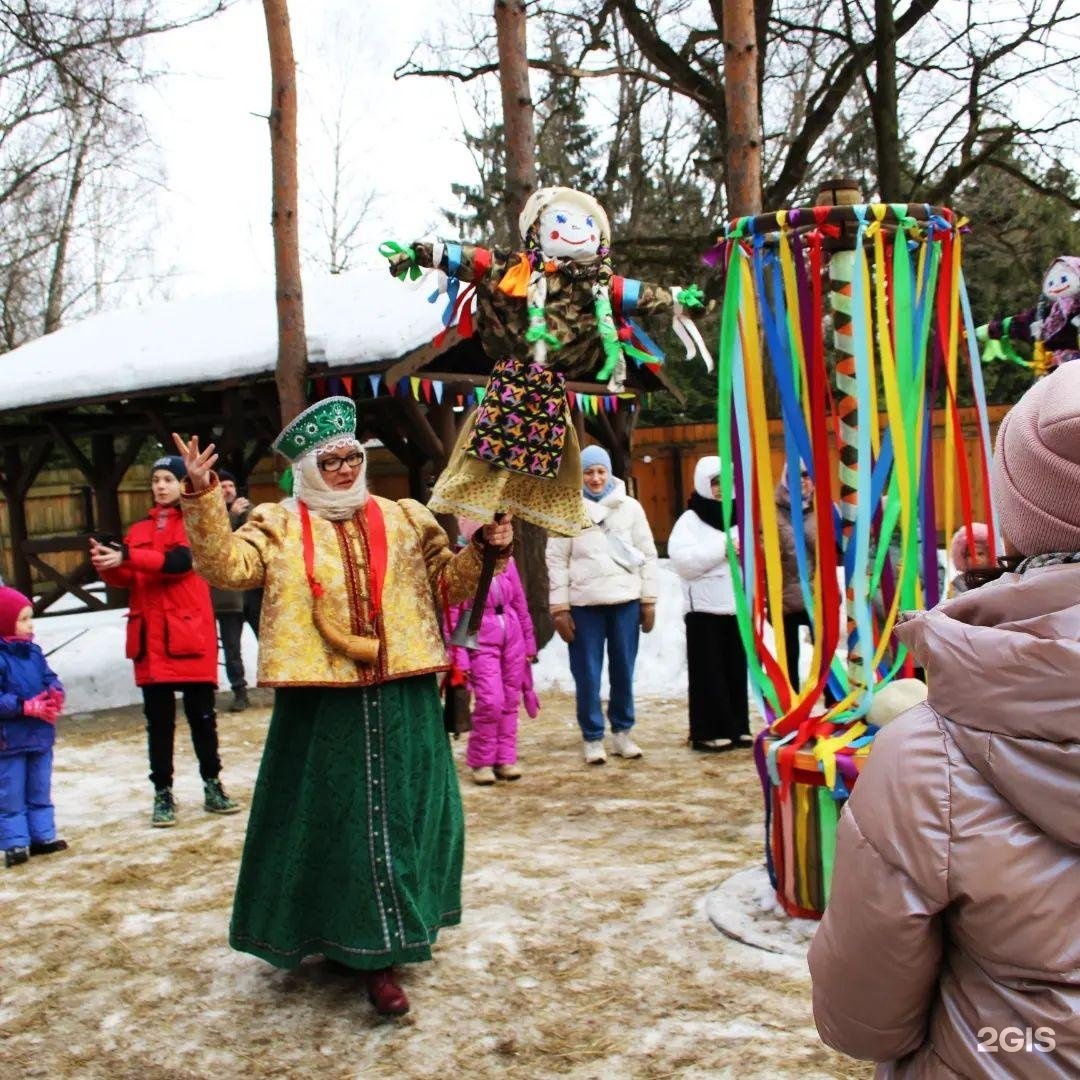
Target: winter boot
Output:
{"points": [[385, 994], [623, 745], [215, 801], [164, 815], [507, 772], [15, 855], [484, 776], [594, 752], [48, 847], [239, 700]]}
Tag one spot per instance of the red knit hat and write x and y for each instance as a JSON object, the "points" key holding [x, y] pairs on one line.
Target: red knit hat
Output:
{"points": [[12, 603], [1036, 477]]}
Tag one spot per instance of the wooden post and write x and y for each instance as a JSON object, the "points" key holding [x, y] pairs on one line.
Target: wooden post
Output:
{"points": [[517, 108], [845, 192], [292, 341], [743, 159]]}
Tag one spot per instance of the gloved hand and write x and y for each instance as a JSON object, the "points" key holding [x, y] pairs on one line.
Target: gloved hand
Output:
{"points": [[648, 617], [458, 676], [982, 333], [40, 707], [564, 625], [57, 697]]}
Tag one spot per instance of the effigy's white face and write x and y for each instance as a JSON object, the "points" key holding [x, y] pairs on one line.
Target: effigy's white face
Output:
{"points": [[568, 232], [1061, 280]]}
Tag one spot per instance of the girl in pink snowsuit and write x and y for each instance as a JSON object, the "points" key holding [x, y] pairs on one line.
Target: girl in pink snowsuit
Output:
{"points": [[498, 672]]}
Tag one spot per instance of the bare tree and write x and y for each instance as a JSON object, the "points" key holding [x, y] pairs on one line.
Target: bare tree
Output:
{"points": [[68, 69], [292, 340], [972, 86]]}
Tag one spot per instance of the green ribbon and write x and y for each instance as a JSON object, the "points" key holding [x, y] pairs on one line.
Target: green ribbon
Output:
{"points": [[538, 329], [690, 297], [390, 248], [609, 337], [1000, 348]]}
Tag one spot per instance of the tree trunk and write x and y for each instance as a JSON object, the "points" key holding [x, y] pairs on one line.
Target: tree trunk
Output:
{"points": [[531, 541], [54, 303], [292, 341], [884, 103], [517, 107], [741, 101]]}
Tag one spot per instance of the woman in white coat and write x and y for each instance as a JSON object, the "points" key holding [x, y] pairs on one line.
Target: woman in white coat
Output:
{"points": [[603, 591], [715, 658]]}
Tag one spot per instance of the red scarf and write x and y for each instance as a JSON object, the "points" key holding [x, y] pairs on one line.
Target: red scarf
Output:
{"points": [[374, 531]]}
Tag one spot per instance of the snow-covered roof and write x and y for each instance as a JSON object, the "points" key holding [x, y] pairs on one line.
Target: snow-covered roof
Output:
{"points": [[354, 320]]}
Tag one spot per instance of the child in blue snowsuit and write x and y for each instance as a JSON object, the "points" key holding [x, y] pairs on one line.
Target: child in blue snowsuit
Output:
{"points": [[31, 698]]}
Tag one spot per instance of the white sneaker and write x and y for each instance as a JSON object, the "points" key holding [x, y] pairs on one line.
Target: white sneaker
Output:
{"points": [[594, 752], [624, 746]]}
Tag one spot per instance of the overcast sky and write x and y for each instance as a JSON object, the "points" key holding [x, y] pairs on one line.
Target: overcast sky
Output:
{"points": [[208, 116]]}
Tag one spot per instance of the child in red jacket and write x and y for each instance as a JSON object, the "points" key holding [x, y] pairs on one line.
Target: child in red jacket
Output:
{"points": [[172, 639]]}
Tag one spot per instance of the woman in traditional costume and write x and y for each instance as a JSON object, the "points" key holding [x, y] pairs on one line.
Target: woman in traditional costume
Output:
{"points": [[354, 844], [552, 311]]}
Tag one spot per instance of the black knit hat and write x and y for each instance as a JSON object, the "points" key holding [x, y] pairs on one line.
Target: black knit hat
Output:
{"points": [[171, 463], [224, 474]]}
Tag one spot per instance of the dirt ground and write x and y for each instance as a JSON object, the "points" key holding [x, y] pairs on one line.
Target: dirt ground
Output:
{"points": [[584, 950]]}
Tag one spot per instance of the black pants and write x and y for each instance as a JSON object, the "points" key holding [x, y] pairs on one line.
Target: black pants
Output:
{"points": [[231, 626], [159, 705], [792, 621], [716, 667], [253, 608]]}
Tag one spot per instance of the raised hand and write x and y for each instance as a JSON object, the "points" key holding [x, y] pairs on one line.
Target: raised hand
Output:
{"points": [[199, 463]]}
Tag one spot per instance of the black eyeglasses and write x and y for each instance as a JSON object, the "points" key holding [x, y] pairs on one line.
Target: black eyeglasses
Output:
{"points": [[333, 464]]}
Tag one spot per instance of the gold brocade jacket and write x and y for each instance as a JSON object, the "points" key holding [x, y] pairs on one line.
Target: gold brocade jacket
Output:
{"points": [[422, 574]]}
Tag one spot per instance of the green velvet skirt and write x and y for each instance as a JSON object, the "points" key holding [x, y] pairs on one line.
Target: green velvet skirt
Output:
{"points": [[356, 836]]}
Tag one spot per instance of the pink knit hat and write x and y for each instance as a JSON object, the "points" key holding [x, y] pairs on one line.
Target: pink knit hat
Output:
{"points": [[1036, 476], [958, 549], [11, 603]]}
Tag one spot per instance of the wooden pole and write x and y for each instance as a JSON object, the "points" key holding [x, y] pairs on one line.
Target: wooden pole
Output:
{"points": [[743, 109], [517, 108], [284, 218]]}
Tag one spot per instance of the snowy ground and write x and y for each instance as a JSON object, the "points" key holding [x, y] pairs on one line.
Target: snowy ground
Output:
{"points": [[586, 948]]}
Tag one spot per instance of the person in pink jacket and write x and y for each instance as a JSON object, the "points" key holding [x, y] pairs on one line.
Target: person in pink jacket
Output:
{"points": [[950, 946], [498, 672]]}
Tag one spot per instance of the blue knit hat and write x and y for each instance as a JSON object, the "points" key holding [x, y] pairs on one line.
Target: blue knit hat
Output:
{"points": [[170, 463], [595, 455]]}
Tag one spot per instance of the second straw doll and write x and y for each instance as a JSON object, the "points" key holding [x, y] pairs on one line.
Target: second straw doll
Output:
{"points": [[497, 672]]}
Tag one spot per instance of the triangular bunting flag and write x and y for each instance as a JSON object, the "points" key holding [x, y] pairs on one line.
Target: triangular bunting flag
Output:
{"points": [[414, 383], [425, 385], [438, 387], [479, 393], [403, 386], [571, 397], [374, 380], [461, 400], [347, 383]]}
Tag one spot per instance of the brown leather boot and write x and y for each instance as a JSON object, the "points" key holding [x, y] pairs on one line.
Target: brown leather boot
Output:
{"points": [[387, 997]]}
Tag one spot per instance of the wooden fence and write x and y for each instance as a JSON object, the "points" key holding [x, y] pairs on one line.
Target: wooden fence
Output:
{"points": [[663, 478]]}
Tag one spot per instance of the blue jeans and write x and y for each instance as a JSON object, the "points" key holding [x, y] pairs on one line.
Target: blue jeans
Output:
{"points": [[26, 808], [617, 625]]}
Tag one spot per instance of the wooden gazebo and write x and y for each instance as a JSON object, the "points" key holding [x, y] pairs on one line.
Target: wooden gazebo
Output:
{"points": [[93, 394]]}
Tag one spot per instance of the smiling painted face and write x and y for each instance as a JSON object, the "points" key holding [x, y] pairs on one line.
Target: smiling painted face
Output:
{"points": [[1061, 281], [568, 232]]}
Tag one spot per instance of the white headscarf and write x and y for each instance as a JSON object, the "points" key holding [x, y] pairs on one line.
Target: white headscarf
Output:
{"points": [[317, 495]]}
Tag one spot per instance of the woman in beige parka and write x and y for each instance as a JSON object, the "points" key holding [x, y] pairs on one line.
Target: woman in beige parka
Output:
{"points": [[951, 943]]}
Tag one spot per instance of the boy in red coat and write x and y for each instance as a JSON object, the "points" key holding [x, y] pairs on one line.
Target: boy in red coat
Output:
{"points": [[171, 637]]}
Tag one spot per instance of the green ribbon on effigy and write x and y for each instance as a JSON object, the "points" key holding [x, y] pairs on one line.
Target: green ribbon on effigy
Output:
{"points": [[609, 337], [690, 297], [538, 329], [390, 248]]}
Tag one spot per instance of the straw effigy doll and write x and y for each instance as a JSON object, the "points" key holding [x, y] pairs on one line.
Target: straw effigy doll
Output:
{"points": [[554, 310]]}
